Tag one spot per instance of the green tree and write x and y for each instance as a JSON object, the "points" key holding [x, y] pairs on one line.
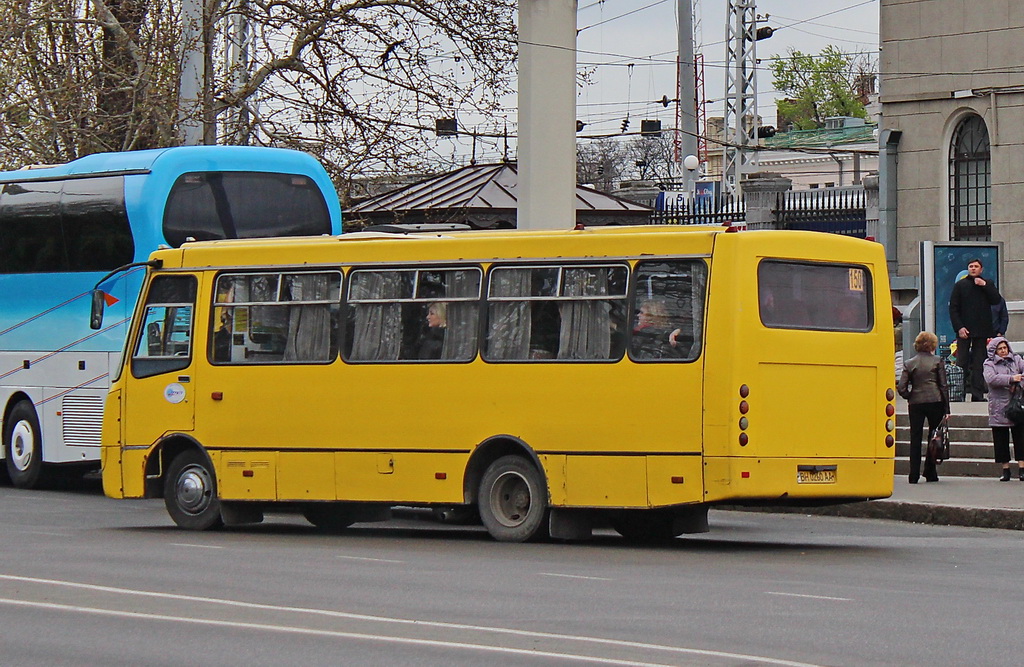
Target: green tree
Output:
{"points": [[819, 86]]}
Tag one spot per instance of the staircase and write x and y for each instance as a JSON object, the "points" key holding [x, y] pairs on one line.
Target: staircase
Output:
{"points": [[971, 452]]}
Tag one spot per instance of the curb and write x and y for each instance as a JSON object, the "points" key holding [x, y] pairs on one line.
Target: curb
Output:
{"points": [[896, 510]]}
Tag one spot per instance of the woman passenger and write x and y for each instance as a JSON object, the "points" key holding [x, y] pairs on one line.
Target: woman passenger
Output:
{"points": [[1003, 372], [923, 384], [432, 343]]}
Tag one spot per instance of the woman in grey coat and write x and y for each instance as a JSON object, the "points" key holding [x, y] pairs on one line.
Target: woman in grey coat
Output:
{"points": [[923, 383], [1004, 370]]}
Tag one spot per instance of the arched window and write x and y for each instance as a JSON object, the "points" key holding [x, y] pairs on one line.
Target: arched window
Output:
{"points": [[970, 182]]}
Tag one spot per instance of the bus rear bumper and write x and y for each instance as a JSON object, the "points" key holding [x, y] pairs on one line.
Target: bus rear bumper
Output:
{"points": [[796, 481]]}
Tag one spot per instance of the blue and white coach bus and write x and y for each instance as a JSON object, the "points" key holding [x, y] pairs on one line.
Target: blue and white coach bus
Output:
{"points": [[64, 227]]}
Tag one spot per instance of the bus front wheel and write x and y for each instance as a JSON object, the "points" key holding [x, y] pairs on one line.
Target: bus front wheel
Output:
{"points": [[190, 492], [23, 446], [513, 501]]}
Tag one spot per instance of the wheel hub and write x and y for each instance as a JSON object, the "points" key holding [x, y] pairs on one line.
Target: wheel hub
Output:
{"points": [[23, 445], [193, 490], [511, 499]]}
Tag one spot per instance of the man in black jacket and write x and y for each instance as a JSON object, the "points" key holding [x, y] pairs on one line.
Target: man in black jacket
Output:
{"points": [[970, 311]]}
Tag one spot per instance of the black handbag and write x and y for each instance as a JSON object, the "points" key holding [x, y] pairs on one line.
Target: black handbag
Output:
{"points": [[1015, 408], [938, 444]]}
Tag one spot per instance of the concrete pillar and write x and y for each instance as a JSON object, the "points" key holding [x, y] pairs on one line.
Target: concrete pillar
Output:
{"points": [[871, 208], [547, 114], [760, 193]]}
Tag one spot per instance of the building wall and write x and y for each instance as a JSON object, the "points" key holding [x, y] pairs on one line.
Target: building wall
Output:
{"points": [[942, 60]]}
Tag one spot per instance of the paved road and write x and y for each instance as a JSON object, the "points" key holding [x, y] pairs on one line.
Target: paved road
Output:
{"points": [[85, 580]]}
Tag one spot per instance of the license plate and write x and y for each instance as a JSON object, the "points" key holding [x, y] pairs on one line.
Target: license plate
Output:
{"points": [[816, 476]]}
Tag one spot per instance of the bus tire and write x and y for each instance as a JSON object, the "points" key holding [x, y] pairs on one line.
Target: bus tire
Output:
{"points": [[513, 501], [23, 446], [328, 517], [190, 492], [645, 525]]}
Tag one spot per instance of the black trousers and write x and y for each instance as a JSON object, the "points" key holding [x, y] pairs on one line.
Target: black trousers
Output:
{"points": [[970, 356], [933, 412], [1001, 439]]}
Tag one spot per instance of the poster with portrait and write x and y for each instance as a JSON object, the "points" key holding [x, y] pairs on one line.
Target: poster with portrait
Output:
{"points": [[942, 264]]}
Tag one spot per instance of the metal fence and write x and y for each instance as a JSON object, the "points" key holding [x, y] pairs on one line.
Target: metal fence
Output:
{"points": [[833, 210], [718, 210]]}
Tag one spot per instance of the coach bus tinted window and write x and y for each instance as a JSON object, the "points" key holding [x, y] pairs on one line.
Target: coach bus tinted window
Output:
{"points": [[61, 226], [824, 297], [668, 305], [227, 205]]}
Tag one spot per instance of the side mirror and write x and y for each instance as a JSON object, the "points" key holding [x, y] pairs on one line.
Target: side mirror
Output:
{"points": [[96, 316]]}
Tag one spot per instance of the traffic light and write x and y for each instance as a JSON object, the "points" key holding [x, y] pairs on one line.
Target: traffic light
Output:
{"points": [[580, 125], [650, 128], [763, 33], [446, 127], [765, 131], [625, 124]]}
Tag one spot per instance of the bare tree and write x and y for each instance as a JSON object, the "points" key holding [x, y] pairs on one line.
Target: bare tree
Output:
{"points": [[358, 83]]}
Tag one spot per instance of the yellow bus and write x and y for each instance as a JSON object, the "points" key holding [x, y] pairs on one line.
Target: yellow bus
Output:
{"points": [[553, 381]]}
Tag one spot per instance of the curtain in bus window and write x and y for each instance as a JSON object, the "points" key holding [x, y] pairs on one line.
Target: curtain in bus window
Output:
{"points": [[310, 325], [377, 334], [462, 316], [509, 321], [586, 327]]}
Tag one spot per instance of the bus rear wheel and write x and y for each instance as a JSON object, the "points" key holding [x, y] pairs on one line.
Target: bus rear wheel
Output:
{"points": [[190, 492], [23, 446], [513, 500]]}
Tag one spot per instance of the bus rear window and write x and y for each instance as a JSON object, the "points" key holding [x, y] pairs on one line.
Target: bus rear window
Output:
{"points": [[227, 205], [823, 297]]}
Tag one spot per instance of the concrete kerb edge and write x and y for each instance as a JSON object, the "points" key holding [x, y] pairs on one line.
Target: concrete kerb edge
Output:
{"points": [[939, 515]]}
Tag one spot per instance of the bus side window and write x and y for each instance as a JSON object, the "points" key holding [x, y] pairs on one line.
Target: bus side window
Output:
{"points": [[669, 317], [165, 338]]}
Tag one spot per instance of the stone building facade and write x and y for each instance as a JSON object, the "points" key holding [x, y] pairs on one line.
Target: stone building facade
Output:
{"points": [[952, 94]]}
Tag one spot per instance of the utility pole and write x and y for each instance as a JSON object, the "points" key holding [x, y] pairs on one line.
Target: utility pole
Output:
{"points": [[741, 119], [547, 114], [193, 72], [686, 104]]}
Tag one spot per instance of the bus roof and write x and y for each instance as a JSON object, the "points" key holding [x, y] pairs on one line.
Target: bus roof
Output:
{"points": [[484, 245], [180, 158]]}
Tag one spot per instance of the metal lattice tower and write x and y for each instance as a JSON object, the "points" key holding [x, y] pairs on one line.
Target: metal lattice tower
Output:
{"points": [[740, 94]]}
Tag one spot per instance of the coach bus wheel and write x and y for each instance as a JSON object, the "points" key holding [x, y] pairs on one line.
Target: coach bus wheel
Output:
{"points": [[512, 500], [328, 517], [190, 492], [23, 446], [644, 525]]}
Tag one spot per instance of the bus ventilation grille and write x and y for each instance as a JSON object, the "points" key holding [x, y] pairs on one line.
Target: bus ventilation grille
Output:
{"points": [[82, 419]]}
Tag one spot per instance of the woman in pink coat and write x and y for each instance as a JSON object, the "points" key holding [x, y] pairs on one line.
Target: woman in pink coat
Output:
{"points": [[1004, 371]]}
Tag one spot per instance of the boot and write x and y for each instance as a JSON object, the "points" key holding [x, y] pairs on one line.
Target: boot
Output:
{"points": [[1020, 474], [1006, 475]]}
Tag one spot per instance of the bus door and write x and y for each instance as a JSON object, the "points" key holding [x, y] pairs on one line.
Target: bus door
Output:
{"points": [[161, 358]]}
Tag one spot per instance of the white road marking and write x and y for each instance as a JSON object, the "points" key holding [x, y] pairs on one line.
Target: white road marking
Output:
{"points": [[374, 560], [195, 546], [813, 597], [401, 621], [574, 576]]}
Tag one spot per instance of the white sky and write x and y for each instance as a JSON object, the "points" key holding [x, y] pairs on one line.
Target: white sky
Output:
{"points": [[616, 33]]}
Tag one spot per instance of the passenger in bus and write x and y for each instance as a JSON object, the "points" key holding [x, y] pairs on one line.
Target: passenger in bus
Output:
{"points": [[923, 383], [651, 333], [432, 342], [222, 338]]}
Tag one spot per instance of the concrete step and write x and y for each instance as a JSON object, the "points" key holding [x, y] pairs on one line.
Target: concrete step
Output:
{"points": [[957, 450], [957, 468], [958, 434]]}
